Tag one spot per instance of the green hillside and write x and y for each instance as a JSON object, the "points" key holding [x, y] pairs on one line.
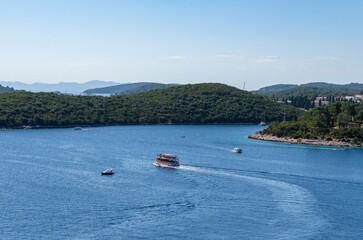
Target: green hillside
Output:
{"points": [[277, 87], [311, 90], [148, 87], [186, 104], [128, 88], [345, 87], [338, 121], [303, 95]]}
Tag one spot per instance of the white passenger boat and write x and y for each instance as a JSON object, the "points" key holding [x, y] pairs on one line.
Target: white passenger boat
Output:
{"points": [[166, 160]]}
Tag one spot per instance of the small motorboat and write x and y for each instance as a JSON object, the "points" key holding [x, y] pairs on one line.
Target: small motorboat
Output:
{"points": [[108, 172], [77, 128], [237, 150]]}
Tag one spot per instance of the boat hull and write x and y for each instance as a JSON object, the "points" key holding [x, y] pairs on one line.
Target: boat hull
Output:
{"points": [[107, 173], [166, 165]]}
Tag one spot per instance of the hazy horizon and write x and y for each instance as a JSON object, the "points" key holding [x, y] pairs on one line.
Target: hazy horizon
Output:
{"points": [[261, 43], [120, 83]]}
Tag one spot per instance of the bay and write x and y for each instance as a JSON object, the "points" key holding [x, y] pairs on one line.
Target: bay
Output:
{"points": [[51, 185]]}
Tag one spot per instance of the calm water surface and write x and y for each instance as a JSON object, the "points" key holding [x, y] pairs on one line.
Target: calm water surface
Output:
{"points": [[51, 186]]}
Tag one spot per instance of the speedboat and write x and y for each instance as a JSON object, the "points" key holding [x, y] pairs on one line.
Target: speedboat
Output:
{"points": [[237, 150], [108, 172], [77, 128], [166, 160]]}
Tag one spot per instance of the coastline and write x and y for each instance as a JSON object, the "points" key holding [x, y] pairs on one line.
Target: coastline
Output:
{"points": [[125, 124], [317, 142]]}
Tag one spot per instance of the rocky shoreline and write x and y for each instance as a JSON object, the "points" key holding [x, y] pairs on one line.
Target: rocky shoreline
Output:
{"points": [[319, 142]]}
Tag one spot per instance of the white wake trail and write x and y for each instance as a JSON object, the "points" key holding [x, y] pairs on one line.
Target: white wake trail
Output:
{"points": [[293, 200]]}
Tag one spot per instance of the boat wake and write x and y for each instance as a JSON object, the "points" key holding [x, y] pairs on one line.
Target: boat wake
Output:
{"points": [[297, 203]]}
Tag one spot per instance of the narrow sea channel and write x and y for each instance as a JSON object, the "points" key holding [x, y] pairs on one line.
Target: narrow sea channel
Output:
{"points": [[51, 185]]}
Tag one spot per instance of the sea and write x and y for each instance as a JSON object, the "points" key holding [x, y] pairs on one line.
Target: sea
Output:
{"points": [[51, 185]]}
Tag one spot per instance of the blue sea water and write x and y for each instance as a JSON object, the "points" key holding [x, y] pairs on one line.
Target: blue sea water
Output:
{"points": [[51, 186]]}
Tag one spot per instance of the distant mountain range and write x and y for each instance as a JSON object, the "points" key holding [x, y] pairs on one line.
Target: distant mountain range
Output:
{"points": [[97, 87], [129, 88], [62, 87], [314, 88]]}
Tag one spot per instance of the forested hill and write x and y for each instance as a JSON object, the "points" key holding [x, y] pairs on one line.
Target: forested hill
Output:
{"points": [[311, 90], [277, 87], [6, 89], [187, 104], [148, 87], [128, 88], [347, 87], [342, 120]]}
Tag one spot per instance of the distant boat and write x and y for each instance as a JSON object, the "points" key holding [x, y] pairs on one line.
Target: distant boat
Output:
{"points": [[263, 119], [182, 136], [237, 150], [108, 172], [262, 123], [77, 128]]}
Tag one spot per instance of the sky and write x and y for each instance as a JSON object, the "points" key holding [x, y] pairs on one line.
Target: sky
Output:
{"points": [[257, 42]]}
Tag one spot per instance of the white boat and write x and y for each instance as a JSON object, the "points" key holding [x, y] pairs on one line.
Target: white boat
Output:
{"points": [[263, 119], [237, 150], [166, 160], [77, 128], [262, 123], [108, 172]]}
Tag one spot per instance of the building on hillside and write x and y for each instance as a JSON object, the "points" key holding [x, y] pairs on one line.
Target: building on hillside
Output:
{"points": [[318, 102], [358, 97], [286, 102], [339, 98], [351, 98]]}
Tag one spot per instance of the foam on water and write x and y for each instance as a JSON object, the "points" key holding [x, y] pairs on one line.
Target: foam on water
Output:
{"points": [[293, 201]]}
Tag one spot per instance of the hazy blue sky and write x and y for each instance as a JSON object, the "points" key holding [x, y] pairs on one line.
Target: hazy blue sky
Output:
{"points": [[260, 42]]}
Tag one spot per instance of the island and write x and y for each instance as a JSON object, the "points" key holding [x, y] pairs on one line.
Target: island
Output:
{"points": [[340, 124], [206, 103]]}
